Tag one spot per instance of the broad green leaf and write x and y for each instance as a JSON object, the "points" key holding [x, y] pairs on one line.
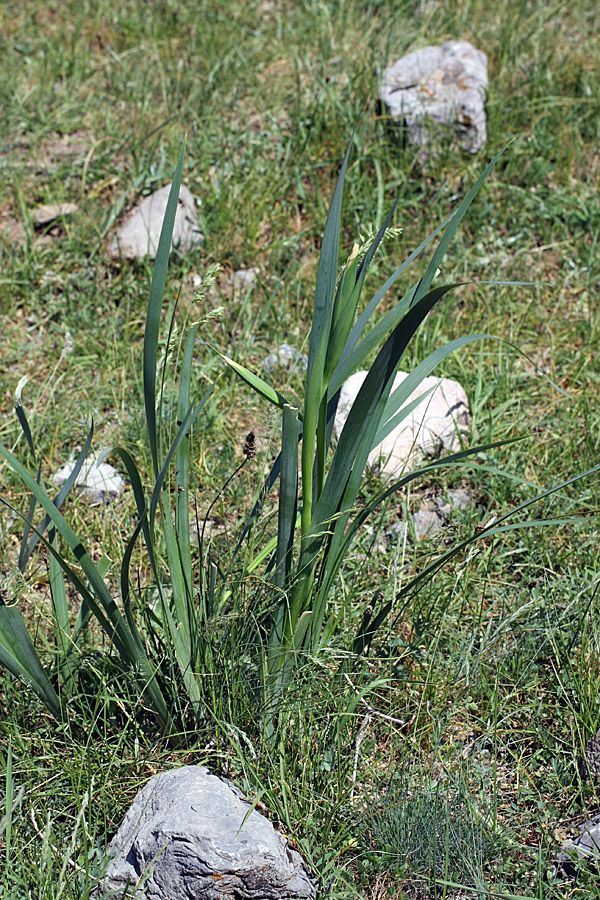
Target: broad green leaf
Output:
{"points": [[157, 289], [60, 613], [17, 654], [319, 338], [349, 292], [256, 383], [106, 609], [288, 496], [27, 550], [362, 424], [182, 497], [395, 410]]}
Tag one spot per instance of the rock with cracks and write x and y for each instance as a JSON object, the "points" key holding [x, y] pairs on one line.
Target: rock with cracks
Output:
{"points": [[192, 836], [139, 235], [584, 848], [434, 425], [439, 92]]}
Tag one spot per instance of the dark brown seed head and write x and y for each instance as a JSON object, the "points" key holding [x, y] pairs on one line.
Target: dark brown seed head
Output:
{"points": [[250, 446]]}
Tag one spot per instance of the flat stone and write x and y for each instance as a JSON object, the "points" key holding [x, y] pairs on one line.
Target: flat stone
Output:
{"points": [[97, 483], [139, 235], [192, 836], [243, 280], [285, 357], [435, 425], [426, 523], [437, 92], [456, 500], [11, 230], [43, 215], [459, 499], [430, 518]]}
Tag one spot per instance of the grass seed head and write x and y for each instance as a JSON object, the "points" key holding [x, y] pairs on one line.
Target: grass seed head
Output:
{"points": [[250, 446]]}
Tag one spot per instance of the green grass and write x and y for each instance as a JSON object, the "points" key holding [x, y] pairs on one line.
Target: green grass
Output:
{"points": [[493, 666]]}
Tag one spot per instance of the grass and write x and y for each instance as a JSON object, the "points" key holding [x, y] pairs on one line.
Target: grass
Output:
{"points": [[492, 667]]}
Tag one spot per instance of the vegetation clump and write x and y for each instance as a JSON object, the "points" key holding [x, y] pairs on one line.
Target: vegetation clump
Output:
{"points": [[235, 607]]}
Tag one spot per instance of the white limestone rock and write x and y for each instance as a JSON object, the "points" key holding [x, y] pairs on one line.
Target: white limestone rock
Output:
{"points": [[44, 215], [97, 483], [189, 834], [435, 425], [435, 90], [139, 235]]}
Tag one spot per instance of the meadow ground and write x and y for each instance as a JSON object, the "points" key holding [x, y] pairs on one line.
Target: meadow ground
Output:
{"points": [[459, 765]]}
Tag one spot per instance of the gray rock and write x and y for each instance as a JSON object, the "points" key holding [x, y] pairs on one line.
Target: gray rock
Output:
{"points": [[434, 425], [243, 280], [428, 520], [586, 846], [434, 515], [286, 357], [435, 90], [590, 766], [192, 836], [97, 483], [456, 500], [459, 499], [43, 215], [139, 235], [587, 843]]}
